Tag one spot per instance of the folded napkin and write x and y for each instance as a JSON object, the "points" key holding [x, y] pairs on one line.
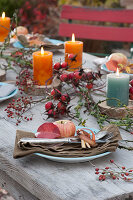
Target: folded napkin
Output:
{"points": [[100, 61], [6, 90], [65, 150]]}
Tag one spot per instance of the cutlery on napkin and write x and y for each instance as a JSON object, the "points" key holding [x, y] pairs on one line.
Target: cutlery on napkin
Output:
{"points": [[64, 140], [64, 149], [6, 90]]}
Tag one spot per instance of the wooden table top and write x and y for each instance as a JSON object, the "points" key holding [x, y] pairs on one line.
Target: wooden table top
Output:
{"points": [[48, 180]]}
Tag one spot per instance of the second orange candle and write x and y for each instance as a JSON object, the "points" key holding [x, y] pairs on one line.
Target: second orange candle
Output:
{"points": [[42, 67], [75, 49]]}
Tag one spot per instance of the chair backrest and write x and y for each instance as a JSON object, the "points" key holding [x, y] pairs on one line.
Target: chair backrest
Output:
{"points": [[97, 32]]}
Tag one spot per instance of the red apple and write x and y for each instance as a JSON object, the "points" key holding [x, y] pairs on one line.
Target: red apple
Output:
{"points": [[67, 128], [119, 57]]}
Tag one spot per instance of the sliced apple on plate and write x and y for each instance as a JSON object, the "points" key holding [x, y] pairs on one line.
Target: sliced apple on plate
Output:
{"points": [[48, 130], [112, 65]]}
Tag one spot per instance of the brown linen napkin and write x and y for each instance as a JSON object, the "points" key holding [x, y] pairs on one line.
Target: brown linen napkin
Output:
{"points": [[65, 150]]}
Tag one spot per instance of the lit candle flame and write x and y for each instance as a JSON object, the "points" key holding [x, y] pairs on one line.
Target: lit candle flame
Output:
{"points": [[3, 15], [73, 37], [117, 72], [42, 51]]}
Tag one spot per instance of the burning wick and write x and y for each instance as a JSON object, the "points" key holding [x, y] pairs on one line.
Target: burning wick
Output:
{"points": [[42, 51], [73, 37], [117, 72], [3, 15]]}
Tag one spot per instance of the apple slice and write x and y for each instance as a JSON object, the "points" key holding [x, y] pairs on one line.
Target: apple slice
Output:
{"points": [[112, 65], [48, 130]]}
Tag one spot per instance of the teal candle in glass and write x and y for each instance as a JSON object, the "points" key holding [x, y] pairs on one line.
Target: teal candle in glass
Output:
{"points": [[117, 87]]}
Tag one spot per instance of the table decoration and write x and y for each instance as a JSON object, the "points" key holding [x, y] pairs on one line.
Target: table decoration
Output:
{"points": [[116, 112], [120, 58], [114, 61], [7, 138], [73, 53], [75, 82], [117, 172], [63, 152], [37, 40], [21, 38], [127, 70], [42, 67], [41, 90], [117, 88], [4, 27], [20, 30]]}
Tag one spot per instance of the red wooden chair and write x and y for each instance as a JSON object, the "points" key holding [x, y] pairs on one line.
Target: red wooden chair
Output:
{"points": [[121, 33]]}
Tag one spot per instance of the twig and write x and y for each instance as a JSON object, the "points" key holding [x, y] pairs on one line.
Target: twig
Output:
{"points": [[5, 27], [124, 147]]}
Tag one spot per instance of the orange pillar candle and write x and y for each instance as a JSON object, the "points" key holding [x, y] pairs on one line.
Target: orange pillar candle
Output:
{"points": [[4, 27], [42, 67], [73, 54]]}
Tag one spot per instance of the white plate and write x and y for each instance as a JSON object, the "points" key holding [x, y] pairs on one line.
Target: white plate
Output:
{"points": [[75, 160], [10, 95]]}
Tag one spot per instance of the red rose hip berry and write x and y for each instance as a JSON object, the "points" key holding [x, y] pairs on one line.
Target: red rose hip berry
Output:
{"points": [[53, 92], [61, 106], [57, 66], [49, 105], [63, 77], [56, 94], [131, 82], [72, 57], [71, 76], [51, 113], [89, 86], [77, 75], [64, 65], [131, 90], [65, 98]]}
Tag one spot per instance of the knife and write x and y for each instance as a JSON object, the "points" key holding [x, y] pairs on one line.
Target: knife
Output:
{"points": [[49, 141], [53, 141]]}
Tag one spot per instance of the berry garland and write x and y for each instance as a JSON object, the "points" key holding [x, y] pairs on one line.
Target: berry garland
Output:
{"points": [[115, 173], [58, 103]]}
